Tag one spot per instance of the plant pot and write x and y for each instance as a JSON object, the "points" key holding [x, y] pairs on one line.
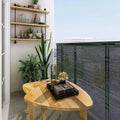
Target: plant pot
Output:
{"points": [[35, 6], [38, 35], [41, 20], [38, 7], [30, 6], [45, 79], [30, 36]]}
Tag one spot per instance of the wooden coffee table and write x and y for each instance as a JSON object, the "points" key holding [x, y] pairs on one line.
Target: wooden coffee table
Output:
{"points": [[37, 94]]}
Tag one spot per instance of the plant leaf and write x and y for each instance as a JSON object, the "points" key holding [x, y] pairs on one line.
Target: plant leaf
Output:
{"points": [[49, 55], [47, 65], [41, 68], [43, 48], [39, 55], [41, 51], [22, 62], [49, 42]]}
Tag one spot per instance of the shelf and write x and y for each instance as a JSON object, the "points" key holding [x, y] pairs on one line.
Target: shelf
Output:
{"points": [[19, 39], [28, 24], [30, 9]]}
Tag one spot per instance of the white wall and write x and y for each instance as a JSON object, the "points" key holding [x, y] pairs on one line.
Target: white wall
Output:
{"points": [[0, 63], [22, 48], [6, 61]]}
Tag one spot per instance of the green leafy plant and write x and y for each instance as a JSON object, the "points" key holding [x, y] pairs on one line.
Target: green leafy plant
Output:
{"points": [[44, 54], [30, 69], [35, 2], [30, 31]]}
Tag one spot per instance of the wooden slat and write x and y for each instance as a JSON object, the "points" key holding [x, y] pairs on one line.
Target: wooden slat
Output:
{"points": [[29, 9], [28, 24], [19, 39]]}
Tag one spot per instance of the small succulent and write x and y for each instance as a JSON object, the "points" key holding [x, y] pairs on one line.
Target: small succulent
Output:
{"points": [[30, 31], [35, 2]]}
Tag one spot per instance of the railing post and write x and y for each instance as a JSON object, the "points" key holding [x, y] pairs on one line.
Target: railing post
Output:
{"points": [[61, 58], [75, 69], [107, 82]]}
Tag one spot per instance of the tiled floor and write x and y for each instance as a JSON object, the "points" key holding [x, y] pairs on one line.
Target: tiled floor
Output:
{"points": [[18, 111]]}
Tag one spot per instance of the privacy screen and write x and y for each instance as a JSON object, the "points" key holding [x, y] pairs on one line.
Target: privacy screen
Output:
{"points": [[115, 83], [89, 67]]}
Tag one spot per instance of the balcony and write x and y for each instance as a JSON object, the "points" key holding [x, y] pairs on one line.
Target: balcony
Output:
{"points": [[93, 66]]}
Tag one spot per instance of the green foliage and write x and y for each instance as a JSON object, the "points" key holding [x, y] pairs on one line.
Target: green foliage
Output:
{"points": [[44, 54], [35, 2], [30, 31], [30, 69]]}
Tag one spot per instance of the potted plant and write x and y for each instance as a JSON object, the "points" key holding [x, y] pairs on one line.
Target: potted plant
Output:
{"points": [[30, 69], [44, 54], [30, 33], [35, 3]]}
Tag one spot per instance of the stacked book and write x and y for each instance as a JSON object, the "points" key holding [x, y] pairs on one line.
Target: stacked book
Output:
{"points": [[62, 90]]}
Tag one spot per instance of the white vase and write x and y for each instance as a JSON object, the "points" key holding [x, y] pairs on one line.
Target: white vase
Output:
{"points": [[41, 19], [38, 7], [38, 35], [30, 36], [35, 6], [46, 79]]}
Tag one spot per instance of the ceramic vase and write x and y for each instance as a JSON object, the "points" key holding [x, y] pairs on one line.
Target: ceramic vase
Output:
{"points": [[30, 36], [35, 6]]}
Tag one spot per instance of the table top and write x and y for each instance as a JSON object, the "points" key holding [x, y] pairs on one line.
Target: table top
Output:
{"points": [[38, 94]]}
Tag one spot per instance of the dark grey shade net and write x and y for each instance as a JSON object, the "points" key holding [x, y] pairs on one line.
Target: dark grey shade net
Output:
{"points": [[59, 59], [65, 61], [90, 74], [115, 83], [68, 61]]}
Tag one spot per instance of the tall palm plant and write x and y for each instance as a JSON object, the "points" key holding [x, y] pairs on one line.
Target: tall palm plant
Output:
{"points": [[44, 54]]}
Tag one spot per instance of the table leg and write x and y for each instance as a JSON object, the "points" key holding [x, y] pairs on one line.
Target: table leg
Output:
{"points": [[60, 112], [27, 109], [32, 112], [83, 114], [43, 113]]}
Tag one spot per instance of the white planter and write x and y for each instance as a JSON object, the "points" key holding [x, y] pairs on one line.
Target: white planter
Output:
{"points": [[30, 36], [41, 19], [46, 79], [35, 6], [38, 35], [38, 7]]}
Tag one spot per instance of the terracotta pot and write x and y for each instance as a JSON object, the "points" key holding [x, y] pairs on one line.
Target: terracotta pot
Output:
{"points": [[30, 36]]}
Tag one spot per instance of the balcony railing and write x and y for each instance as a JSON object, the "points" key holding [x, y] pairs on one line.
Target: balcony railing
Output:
{"points": [[94, 66]]}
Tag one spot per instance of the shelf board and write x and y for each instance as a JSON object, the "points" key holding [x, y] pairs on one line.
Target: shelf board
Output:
{"points": [[30, 9], [28, 24], [19, 39]]}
